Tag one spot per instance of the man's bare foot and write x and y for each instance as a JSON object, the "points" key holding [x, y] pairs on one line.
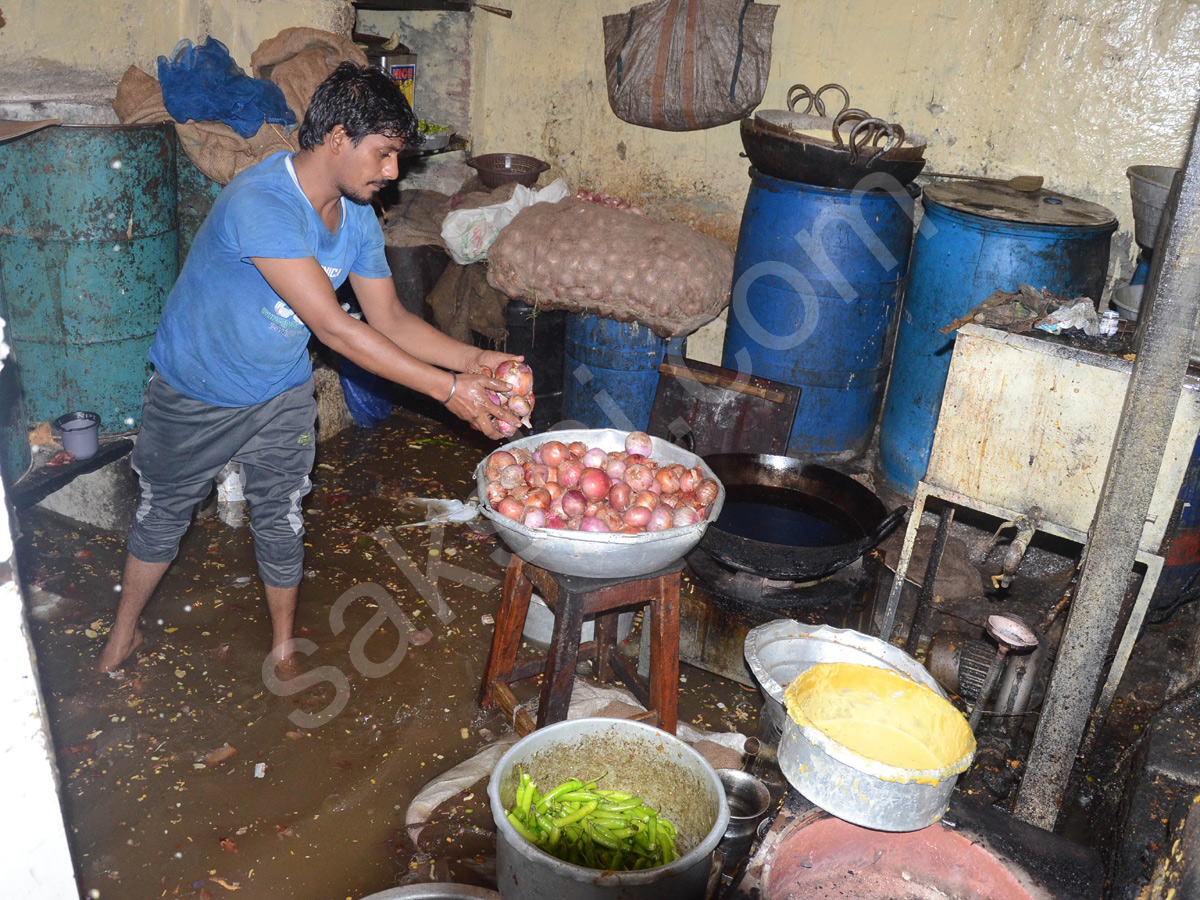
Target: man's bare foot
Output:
{"points": [[289, 667], [117, 650]]}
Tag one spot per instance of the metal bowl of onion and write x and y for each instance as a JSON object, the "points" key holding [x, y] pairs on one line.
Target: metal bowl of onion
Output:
{"points": [[588, 554]]}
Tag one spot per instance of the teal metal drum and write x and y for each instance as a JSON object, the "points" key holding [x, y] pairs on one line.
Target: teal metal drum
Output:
{"points": [[976, 239], [197, 193], [612, 371], [89, 243], [817, 282], [15, 454]]}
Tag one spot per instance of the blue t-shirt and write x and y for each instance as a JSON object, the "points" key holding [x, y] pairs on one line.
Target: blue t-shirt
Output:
{"points": [[226, 337]]}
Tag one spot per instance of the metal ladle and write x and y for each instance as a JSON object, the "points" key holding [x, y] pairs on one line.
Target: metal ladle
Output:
{"points": [[1011, 634]]}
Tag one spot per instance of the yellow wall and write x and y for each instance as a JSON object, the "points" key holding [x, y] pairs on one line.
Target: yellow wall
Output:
{"points": [[106, 36], [1075, 90]]}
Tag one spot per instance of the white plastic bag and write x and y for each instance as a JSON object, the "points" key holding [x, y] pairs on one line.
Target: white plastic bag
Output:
{"points": [[468, 233]]}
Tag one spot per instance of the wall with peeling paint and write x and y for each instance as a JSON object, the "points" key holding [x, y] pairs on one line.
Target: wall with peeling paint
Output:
{"points": [[103, 38], [1075, 90]]}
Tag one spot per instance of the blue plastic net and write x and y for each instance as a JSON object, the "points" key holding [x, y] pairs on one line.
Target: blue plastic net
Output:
{"points": [[203, 83], [366, 394]]}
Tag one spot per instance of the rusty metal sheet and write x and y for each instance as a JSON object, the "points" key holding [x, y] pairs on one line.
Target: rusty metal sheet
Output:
{"points": [[725, 412]]}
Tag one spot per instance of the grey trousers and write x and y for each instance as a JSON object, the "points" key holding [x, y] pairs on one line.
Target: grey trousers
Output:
{"points": [[184, 443]]}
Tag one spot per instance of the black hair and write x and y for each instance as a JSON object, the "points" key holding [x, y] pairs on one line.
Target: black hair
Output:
{"points": [[363, 100]]}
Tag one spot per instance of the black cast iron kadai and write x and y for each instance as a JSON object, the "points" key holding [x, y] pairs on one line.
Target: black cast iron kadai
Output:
{"points": [[792, 521]]}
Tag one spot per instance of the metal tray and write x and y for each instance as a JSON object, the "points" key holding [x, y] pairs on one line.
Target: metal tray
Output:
{"points": [[591, 555]]}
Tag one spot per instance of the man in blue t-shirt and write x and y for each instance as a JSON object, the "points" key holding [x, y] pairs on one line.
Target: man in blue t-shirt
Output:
{"points": [[233, 380]]}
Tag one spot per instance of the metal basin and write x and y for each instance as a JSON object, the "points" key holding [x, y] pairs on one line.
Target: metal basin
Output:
{"points": [[661, 769], [591, 555], [779, 651], [435, 892], [919, 745]]}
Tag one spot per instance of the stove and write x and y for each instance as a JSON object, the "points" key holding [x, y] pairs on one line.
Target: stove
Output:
{"points": [[718, 606]]}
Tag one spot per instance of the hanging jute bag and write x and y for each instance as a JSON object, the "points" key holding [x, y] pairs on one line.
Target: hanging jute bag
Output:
{"points": [[681, 65]]}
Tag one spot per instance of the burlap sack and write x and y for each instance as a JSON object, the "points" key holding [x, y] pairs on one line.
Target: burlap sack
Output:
{"points": [[139, 99], [220, 152], [299, 59]]}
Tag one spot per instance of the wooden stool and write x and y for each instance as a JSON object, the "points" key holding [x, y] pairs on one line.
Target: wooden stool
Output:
{"points": [[571, 599]]}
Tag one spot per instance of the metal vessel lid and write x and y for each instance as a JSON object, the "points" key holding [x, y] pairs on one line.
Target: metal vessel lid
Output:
{"points": [[997, 201]]}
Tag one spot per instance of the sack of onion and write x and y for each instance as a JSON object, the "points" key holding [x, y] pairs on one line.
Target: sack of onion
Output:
{"points": [[586, 256], [573, 487]]}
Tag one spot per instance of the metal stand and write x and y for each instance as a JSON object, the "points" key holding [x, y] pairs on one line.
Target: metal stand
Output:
{"points": [[1151, 561]]}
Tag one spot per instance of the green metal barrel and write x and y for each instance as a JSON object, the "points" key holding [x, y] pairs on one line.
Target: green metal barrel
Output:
{"points": [[89, 244], [15, 454]]}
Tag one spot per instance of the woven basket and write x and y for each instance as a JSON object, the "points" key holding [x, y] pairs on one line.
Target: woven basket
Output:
{"points": [[496, 169]]}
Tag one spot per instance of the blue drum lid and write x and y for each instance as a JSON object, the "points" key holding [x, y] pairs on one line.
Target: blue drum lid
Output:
{"points": [[1038, 208]]}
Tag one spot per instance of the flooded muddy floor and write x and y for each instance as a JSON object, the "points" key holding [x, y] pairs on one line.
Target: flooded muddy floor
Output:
{"points": [[189, 774], [186, 774]]}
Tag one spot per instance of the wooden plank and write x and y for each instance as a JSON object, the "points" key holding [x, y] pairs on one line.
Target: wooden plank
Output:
{"points": [[729, 384], [45, 481]]}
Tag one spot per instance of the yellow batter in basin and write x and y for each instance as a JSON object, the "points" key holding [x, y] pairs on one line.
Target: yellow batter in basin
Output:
{"points": [[881, 715]]}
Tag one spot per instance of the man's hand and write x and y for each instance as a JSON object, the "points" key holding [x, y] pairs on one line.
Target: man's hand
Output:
{"points": [[472, 404], [491, 359]]}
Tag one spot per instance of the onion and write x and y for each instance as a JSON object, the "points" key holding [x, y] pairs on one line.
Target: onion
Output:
{"points": [[555, 489], [496, 462], [554, 453], [594, 484], [591, 523], [574, 522], [511, 508], [638, 442], [569, 472], [574, 503], [638, 516], [611, 518], [668, 480], [635, 459], [620, 496], [505, 429], [495, 492], [629, 529], [706, 491], [521, 407], [533, 516], [639, 477], [536, 475], [522, 455], [555, 522], [595, 458], [660, 519], [539, 497], [668, 500], [556, 508], [520, 493], [688, 480], [648, 499], [518, 375], [683, 516], [577, 449], [615, 469], [512, 476], [593, 507], [537, 456]]}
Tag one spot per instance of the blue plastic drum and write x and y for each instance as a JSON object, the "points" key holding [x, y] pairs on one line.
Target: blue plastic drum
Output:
{"points": [[976, 239]]}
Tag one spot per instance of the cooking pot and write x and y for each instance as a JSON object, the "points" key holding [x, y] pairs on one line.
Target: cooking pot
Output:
{"points": [[825, 493], [820, 163]]}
